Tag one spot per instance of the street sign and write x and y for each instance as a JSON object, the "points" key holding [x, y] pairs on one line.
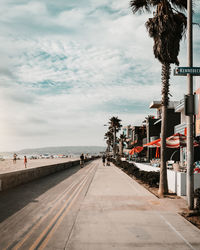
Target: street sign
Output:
{"points": [[183, 71]]}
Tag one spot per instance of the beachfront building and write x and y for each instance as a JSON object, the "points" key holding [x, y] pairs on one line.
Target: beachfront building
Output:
{"points": [[139, 133], [182, 129], [153, 129], [128, 132], [153, 125]]}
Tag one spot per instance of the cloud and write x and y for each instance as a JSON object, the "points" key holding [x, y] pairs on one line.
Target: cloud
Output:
{"points": [[68, 66]]}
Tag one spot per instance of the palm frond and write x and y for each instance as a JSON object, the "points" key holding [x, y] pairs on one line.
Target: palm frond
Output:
{"points": [[167, 29], [180, 4], [140, 5], [155, 2]]}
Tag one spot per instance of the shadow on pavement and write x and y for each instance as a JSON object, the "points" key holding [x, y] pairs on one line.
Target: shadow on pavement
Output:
{"points": [[15, 199]]}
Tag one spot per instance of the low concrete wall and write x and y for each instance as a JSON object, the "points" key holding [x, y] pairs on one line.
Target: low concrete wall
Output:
{"points": [[13, 179], [172, 180], [176, 180], [146, 167]]}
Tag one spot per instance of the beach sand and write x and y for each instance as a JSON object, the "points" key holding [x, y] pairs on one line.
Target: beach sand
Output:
{"points": [[7, 166]]}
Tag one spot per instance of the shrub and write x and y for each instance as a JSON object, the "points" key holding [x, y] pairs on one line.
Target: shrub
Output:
{"points": [[197, 195], [151, 178]]}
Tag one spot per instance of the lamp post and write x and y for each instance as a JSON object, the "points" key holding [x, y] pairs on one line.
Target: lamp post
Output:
{"points": [[190, 147]]}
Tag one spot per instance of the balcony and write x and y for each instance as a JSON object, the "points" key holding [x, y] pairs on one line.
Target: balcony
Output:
{"points": [[180, 128]]}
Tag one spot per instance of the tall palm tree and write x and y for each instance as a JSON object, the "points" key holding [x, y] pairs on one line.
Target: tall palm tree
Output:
{"points": [[167, 28], [115, 126], [109, 136], [122, 139]]}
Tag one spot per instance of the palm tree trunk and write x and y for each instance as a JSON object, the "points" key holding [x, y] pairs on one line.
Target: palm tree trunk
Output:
{"points": [[114, 142], [163, 185], [121, 147], [109, 148]]}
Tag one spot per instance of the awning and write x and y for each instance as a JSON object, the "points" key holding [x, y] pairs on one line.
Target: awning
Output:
{"points": [[175, 141]]}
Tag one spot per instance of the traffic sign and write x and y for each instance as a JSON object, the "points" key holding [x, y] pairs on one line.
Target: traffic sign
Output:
{"points": [[183, 71]]}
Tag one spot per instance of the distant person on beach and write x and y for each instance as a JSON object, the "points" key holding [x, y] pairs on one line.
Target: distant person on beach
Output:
{"points": [[14, 158], [82, 160], [25, 161], [104, 159]]}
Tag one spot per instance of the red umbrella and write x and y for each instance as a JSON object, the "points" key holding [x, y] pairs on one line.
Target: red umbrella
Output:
{"points": [[155, 143], [137, 149]]}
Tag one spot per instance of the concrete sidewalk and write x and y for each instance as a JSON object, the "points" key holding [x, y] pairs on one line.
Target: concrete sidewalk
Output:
{"points": [[118, 213]]}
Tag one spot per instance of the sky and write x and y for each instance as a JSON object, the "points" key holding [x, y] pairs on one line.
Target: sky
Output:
{"points": [[67, 67]]}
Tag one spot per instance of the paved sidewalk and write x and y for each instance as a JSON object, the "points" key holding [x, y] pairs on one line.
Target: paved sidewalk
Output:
{"points": [[118, 213]]}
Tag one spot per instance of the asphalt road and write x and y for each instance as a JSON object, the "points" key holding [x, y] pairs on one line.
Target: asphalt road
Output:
{"points": [[93, 208], [41, 214]]}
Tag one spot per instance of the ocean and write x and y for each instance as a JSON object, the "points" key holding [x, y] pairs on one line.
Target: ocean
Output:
{"points": [[56, 151]]}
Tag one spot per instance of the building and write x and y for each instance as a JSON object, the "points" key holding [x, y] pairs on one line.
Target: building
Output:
{"points": [[153, 125], [128, 132], [182, 129]]}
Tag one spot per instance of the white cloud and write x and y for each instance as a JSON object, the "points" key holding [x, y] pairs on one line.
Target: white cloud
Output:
{"points": [[64, 70]]}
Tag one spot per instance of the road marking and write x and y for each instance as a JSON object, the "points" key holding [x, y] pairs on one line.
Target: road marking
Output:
{"points": [[49, 236], [41, 219], [174, 229], [44, 237]]}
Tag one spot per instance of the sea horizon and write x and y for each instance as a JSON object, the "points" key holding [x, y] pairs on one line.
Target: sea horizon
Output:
{"points": [[56, 150]]}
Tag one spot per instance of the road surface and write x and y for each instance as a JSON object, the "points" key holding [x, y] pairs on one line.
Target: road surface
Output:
{"points": [[92, 208]]}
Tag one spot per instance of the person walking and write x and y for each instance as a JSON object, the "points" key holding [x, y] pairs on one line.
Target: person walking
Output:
{"points": [[104, 159], [108, 161], [25, 161], [82, 160]]}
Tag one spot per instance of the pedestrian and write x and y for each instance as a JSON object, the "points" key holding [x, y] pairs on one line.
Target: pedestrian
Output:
{"points": [[108, 160], [82, 160], [104, 159], [14, 158], [25, 161]]}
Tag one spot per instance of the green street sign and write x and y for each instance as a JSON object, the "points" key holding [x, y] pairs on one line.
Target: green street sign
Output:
{"points": [[183, 71]]}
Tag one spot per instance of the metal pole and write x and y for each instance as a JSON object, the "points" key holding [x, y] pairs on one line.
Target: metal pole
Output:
{"points": [[190, 147]]}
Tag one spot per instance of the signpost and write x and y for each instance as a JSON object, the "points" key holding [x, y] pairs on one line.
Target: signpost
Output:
{"points": [[183, 71]]}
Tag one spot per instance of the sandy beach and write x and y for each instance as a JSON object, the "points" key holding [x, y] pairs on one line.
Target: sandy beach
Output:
{"points": [[7, 166]]}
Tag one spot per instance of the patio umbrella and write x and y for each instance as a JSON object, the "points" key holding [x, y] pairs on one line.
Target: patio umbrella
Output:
{"points": [[137, 149], [155, 143], [175, 141]]}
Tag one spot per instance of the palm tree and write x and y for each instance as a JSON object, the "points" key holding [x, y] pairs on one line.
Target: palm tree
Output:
{"points": [[109, 136], [167, 28], [115, 126], [122, 139]]}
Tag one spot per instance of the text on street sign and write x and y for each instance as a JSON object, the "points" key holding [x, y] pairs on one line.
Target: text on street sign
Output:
{"points": [[183, 71]]}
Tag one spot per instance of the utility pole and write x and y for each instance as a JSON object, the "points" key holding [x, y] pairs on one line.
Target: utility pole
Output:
{"points": [[190, 133]]}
